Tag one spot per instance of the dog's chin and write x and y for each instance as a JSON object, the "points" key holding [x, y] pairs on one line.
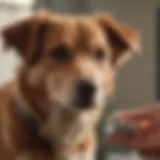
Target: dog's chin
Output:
{"points": [[83, 105], [77, 106]]}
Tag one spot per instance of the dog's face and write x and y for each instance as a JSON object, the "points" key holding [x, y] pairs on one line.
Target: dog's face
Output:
{"points": [[73, 58]]}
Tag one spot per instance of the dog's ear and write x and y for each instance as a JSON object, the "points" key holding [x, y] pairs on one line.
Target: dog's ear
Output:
{"points": [[123, 40], [27, 37]]}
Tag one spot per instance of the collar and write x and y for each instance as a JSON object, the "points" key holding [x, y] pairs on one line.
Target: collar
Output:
{"points": [[31, 125], [26, 117]]}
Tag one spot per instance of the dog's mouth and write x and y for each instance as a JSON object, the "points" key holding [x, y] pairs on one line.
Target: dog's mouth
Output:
{"points": [[78, 104], [84, 103]]}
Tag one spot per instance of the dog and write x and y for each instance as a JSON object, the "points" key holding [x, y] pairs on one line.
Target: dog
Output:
{"points": [[69, 64]]}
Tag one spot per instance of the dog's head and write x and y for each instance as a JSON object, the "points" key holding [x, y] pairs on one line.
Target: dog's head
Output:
{"points": [[73, 58]]}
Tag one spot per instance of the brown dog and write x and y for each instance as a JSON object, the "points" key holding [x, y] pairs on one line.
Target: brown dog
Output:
{"points": [[69, 63]]}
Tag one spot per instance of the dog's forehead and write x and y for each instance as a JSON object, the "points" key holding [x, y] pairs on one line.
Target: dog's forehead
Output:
{"points": [[89, 28], [82, 29]]}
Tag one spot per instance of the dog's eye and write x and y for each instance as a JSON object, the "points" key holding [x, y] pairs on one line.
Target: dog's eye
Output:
{"points": [[100, 54], [61, 53]]}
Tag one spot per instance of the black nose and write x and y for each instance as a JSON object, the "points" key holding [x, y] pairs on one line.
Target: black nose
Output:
{"points": [[85, 88], [85, 92]]}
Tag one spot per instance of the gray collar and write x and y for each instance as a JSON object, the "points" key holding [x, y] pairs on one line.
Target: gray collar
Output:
{"points": [[25, 115], [30, 123]]}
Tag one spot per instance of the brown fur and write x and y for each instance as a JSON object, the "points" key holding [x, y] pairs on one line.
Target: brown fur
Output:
{"points": [[42, 79]]}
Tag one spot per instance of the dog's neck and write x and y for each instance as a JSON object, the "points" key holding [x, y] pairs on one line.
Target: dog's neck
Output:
{"points": [[62, 126], [30, 124], [67, 126]]}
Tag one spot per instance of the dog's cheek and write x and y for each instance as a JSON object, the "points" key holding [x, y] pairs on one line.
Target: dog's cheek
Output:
{"points": [[108, 80], [109, 84], [59, 88]]}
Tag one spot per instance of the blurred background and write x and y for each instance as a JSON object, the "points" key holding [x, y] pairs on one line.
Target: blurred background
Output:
{"points": [[136, 84]]}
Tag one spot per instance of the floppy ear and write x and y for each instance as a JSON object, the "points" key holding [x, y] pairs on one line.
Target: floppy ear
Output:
{"points": [[123, 40], [26, 37]]}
